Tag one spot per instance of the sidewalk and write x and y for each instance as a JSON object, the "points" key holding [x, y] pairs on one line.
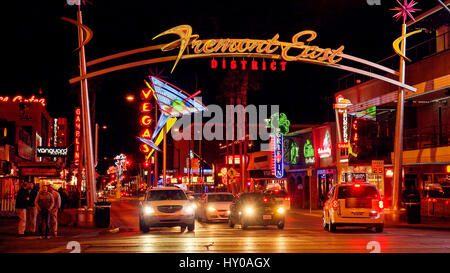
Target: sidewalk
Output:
{"points": [[391, 220]]}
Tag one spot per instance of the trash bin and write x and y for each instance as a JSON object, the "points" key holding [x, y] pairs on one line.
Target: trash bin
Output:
{"points": [[102, 215], [413, 209]]}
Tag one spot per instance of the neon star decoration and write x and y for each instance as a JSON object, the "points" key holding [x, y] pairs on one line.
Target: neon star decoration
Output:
{"points": [[405, 10]]}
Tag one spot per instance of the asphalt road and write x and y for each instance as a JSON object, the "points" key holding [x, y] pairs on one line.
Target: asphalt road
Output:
{"points": [[302, 233]]}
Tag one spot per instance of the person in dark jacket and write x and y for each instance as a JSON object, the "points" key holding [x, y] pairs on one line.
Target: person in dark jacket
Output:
{"points": [[21, 207], [31, 209], [63, 199]]}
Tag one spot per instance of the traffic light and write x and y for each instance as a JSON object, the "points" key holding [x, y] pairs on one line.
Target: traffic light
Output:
{"points": [[128, 162], [180, 179], [146, 165]]}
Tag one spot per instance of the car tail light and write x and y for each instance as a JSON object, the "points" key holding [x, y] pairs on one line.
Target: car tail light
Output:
{"points": [[357, 185], [265, 200], [287, 198], [335, 204]]}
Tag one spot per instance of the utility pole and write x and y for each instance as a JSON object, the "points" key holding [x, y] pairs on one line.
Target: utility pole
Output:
{"points": [[164, 155], [398, 150], [155, 171], [86, 118]]}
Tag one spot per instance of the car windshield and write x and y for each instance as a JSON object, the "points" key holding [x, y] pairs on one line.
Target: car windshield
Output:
{"points": [[166, 195], [252, 197], [220, 197], [357, 192], [276, 193]]}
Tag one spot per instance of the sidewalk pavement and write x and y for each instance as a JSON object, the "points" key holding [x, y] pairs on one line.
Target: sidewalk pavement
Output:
{"points": [[8, 230], [392, 220]]}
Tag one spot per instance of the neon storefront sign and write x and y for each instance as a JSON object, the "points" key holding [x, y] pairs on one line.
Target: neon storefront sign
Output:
{"points": [[325, 150], [248, 65], [308, 152], [277, 146], [77, 144], [20, 98]]}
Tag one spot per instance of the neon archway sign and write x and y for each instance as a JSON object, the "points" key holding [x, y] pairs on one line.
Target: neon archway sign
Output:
{"points": [[245, 48]]}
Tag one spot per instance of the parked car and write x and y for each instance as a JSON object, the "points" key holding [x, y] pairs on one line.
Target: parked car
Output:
{"points": [[353, 204], [214, 206], [166, 207], [256, 209]]}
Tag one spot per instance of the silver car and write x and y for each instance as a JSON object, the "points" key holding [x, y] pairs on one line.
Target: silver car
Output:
{"points": [[166, 207], [214, 206]]}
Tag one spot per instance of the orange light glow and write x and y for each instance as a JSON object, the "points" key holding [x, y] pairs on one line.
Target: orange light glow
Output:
{"points": [[130, 98], [389, 173], [447, 168]]}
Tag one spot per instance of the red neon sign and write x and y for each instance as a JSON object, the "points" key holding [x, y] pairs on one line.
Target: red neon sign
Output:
{"points": [[145, 119], [342, 145], [20, 98], [252, 65], [77, 136]]}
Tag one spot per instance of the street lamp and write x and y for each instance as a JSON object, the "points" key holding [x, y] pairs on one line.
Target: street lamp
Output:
{"points": [[129, 98]]}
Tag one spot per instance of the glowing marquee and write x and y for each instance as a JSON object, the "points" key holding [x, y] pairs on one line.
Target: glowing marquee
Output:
{"points": [[77, 144], [20, 98], [250, 47], [299, 50], [145, 120]]}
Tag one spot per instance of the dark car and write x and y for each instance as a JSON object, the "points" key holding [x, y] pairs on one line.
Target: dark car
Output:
{"points": [[256, 209]]}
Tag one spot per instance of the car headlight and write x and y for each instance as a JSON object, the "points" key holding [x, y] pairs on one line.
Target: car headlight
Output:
{"points": [[280, 210], [211, 208], [149, 210], [189, 209], [249, 210]]}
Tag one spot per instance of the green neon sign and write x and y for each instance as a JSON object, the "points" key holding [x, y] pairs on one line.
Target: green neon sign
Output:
{"points": [[308, 152]]}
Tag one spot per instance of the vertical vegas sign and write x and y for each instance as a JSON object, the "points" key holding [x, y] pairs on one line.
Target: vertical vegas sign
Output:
{"points": [[145, 119], [278, 166], [77, 145]]}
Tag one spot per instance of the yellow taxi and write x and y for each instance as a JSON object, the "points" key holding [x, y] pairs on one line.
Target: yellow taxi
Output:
{"points": [[353, 204]]}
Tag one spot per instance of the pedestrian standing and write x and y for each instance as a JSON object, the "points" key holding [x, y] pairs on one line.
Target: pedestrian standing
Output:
{"points": [[31, 209], [63, 196], [54, 210], [44, 203], [77, 197], [21, 208]]}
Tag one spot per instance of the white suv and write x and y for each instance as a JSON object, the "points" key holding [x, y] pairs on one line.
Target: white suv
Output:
{"points": [[166, 207]]}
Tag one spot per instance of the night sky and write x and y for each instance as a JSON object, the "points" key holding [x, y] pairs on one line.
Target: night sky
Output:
{"points": [[38, 52]]}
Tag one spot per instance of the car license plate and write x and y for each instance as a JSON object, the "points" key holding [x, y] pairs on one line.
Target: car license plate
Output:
{"points": [[267, 217], [357, 213]]}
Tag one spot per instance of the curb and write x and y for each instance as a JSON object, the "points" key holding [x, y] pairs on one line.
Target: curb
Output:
{"points": [[415, 226]]}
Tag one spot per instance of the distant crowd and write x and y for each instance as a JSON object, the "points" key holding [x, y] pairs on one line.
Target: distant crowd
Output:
{"points": [[38, 208]]}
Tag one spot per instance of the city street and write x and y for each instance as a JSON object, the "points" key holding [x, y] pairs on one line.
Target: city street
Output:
{"points": [[171, 130], [302, 234]]}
